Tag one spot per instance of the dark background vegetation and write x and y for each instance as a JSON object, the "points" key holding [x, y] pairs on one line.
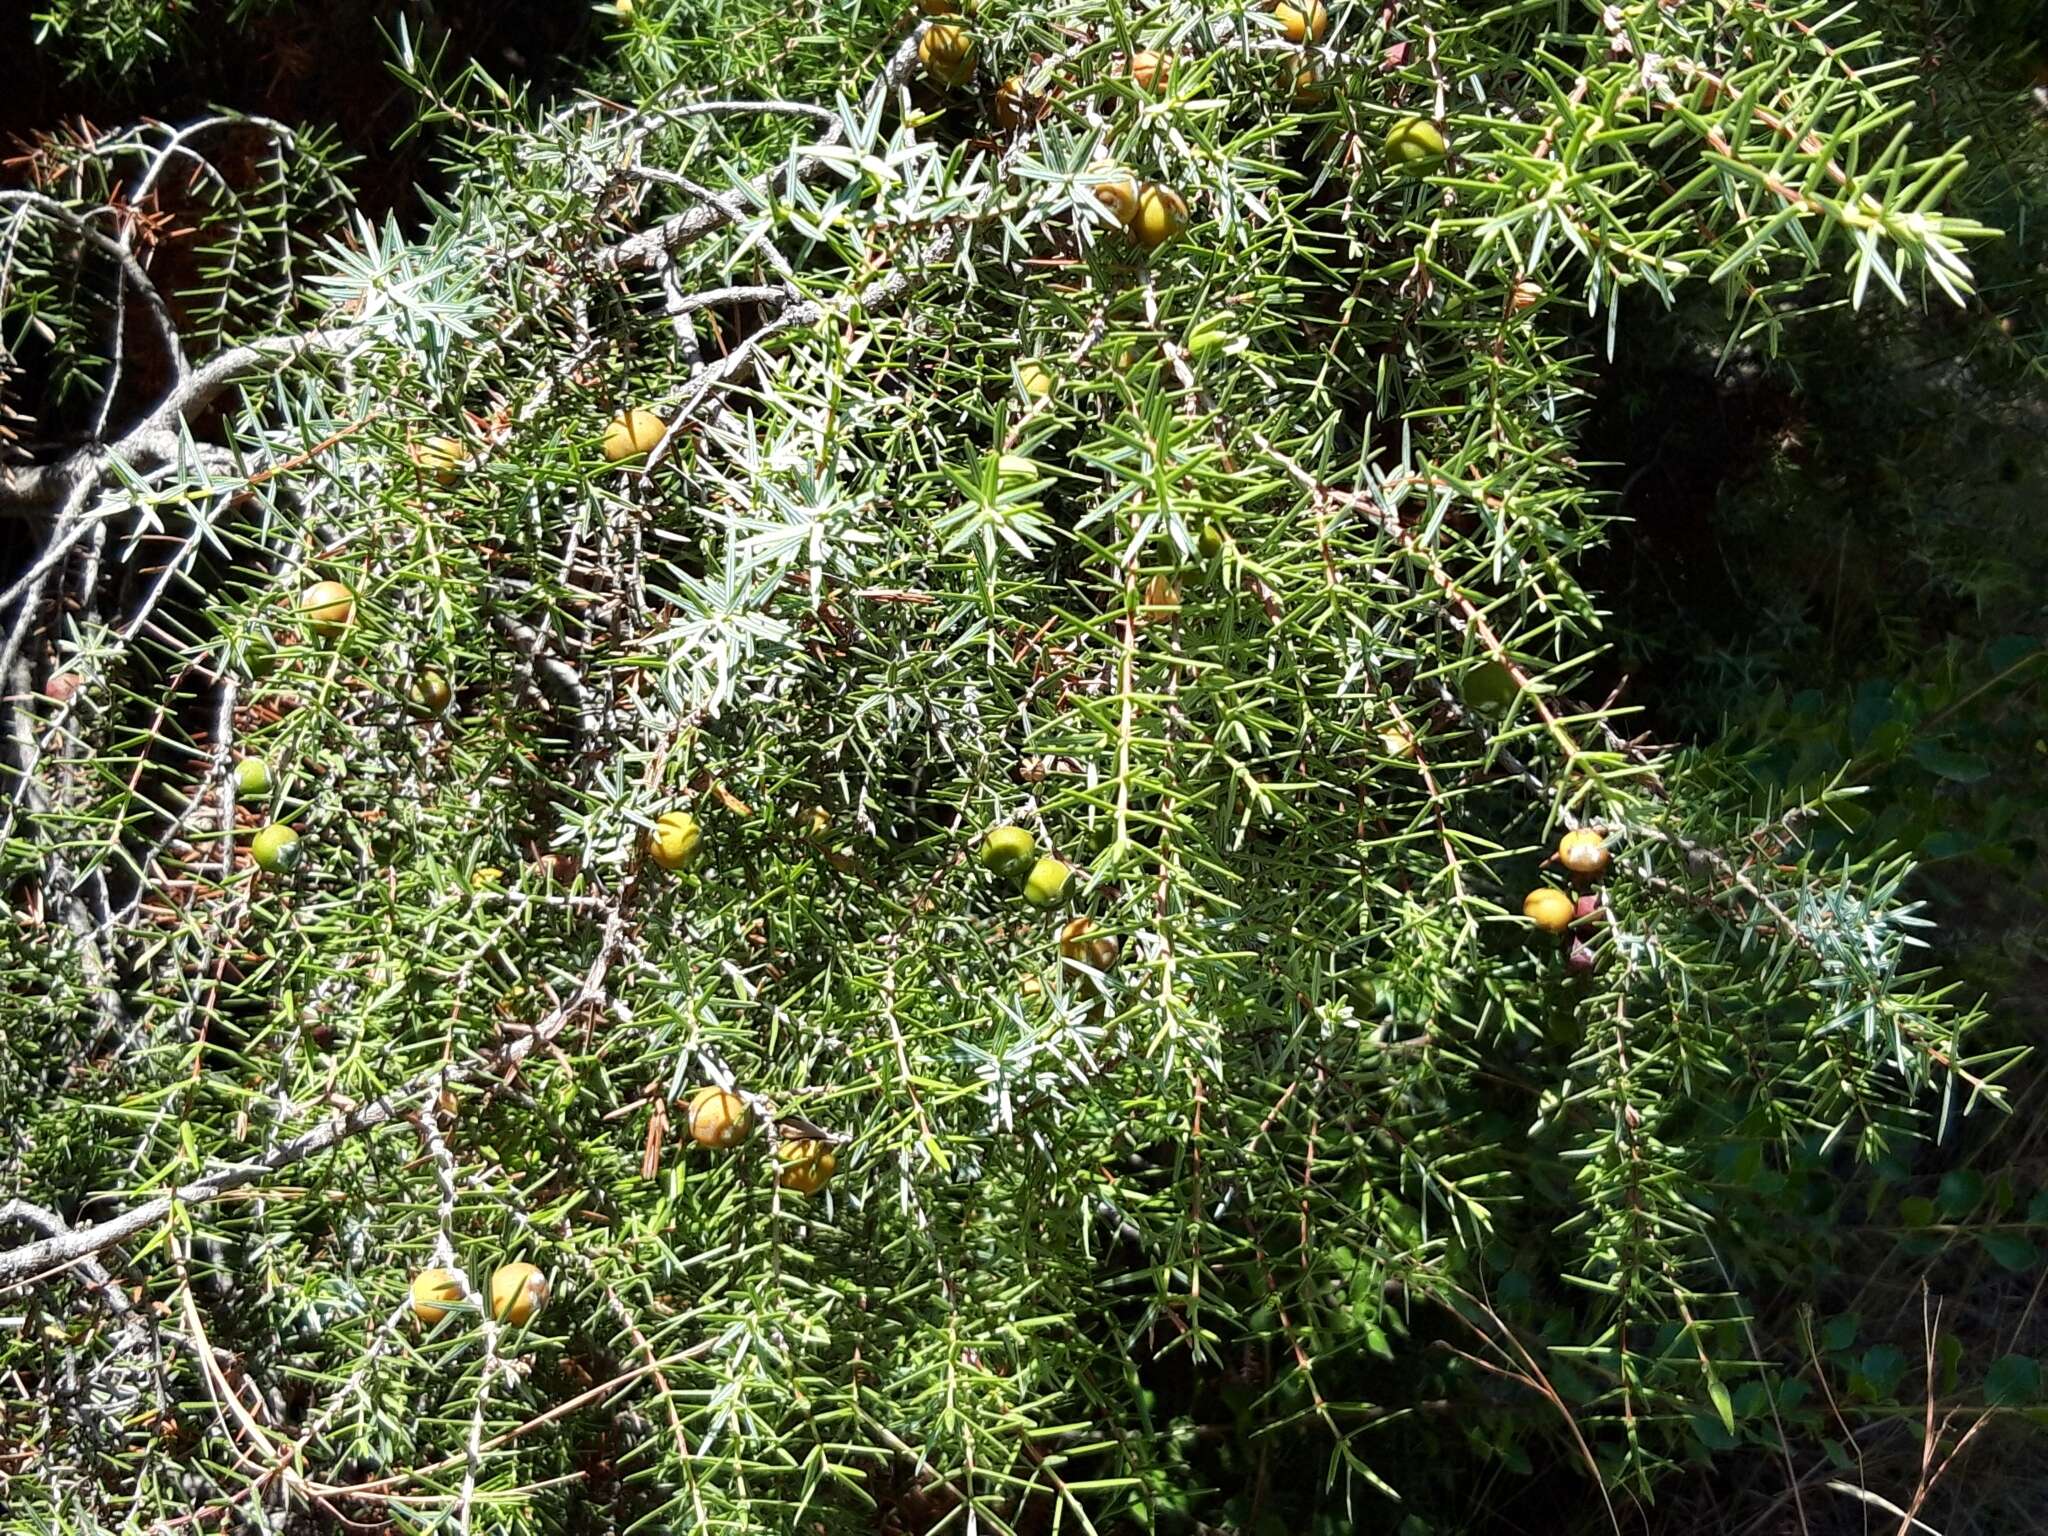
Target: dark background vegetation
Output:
{"points": [[309, 64], [1839, 562]]}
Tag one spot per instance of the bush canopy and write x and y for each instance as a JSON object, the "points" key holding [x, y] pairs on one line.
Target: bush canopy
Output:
{"points": [[1149, 429]]}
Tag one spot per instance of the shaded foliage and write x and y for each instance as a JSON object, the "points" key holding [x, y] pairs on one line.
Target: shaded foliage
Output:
{"points": [[1241, 572]]}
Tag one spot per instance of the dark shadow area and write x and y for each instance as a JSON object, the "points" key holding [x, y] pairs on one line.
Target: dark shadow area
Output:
{"points": [[305, 65]]}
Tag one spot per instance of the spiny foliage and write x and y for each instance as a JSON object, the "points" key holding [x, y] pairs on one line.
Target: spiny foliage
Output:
{"points": [[1237, 571], [220, 216], [109, 38]]}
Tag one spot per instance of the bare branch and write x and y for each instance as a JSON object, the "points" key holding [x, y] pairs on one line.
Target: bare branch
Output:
{"points": [[53, 1254], [644, 251]]}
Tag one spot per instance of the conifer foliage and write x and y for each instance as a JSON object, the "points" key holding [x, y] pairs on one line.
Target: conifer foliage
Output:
{"points": [[503, 728]]}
